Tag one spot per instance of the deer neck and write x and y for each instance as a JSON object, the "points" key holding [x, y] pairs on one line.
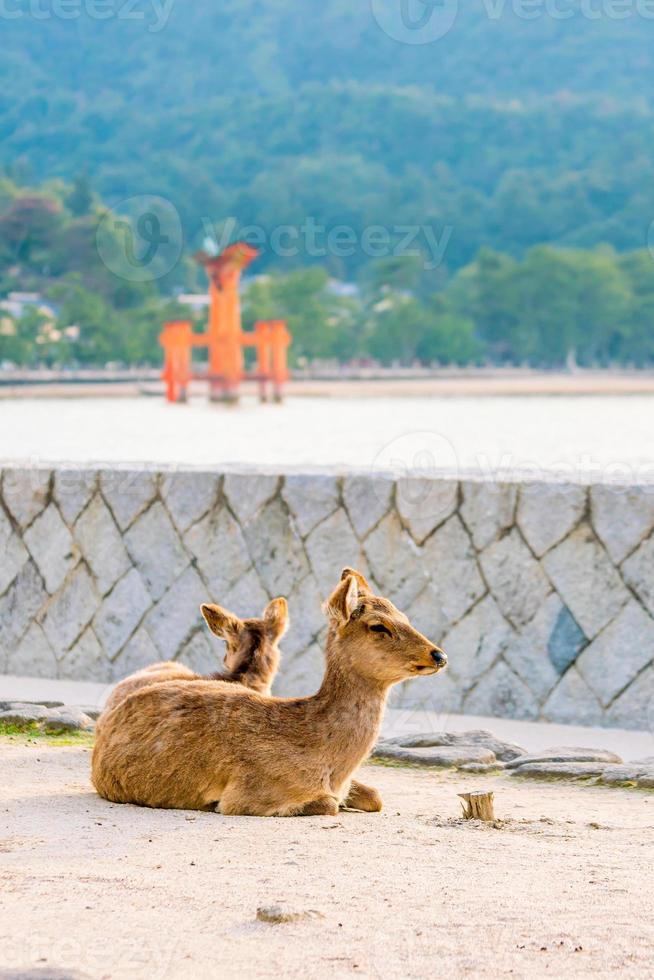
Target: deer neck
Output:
{"points": [[348, 711]]}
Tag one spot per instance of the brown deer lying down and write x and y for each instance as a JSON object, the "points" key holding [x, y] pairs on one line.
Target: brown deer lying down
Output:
{"points": [[251, 658], [189, 746]]}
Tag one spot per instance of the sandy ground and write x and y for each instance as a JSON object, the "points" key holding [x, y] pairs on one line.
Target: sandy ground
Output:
{"points": [[564, 888]]}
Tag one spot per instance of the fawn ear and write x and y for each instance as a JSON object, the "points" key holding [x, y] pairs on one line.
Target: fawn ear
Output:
{"points": [[221, 622], [343, 601], [362, 584], [275, 618]]}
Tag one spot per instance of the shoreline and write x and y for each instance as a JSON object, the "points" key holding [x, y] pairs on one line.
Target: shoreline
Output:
{"points": [[464, 384]]}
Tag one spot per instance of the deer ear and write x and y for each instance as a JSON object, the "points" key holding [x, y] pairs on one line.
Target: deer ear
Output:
{"points": [[343, 601], [221, 622], [275, 617], [364, 588]]}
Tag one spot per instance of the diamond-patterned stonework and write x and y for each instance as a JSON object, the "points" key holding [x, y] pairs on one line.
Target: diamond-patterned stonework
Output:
{"points": [[541, 594]]}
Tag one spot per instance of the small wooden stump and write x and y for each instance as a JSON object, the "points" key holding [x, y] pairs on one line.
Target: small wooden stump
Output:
{"points": [[478, 806]]}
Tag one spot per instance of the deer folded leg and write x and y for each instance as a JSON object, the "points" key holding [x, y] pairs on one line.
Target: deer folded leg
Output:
{"points": [[323, 806], [362, 797]]}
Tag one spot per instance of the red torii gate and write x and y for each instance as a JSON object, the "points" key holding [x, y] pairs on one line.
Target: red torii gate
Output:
{"points": [[224, 338]]}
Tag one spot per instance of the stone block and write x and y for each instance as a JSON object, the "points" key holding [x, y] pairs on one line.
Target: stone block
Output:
{"points": [[619, 653], [581, 572], [247, 493], [638, 571], [85, 661], [367, 499], [70, 611], [222, 556], [310, 499], [566, 641], [306, 617], [515, 578], [203, 653], [189, 496], [121, 612], [52, 547], [528, 653], [547, 512], [139, 652], [573, 702], [33, 656], [622, 517], [14, 553], [448, 560], [331, 546], [246, 598], [476, 642], [25, 493], [276, 549], [487, 510], [20, 605], [128, 493], [300, 676], [634, 708], [102, 545], [172, 623], [394, 559], [501, 694], [424, 504], [72, 489], [156, 550]]}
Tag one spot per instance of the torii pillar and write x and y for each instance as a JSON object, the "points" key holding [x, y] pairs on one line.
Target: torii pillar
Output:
{"points": [[224, 332]]}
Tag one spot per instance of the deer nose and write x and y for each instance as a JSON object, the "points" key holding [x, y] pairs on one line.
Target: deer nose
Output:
{"points": [[439, 658]]}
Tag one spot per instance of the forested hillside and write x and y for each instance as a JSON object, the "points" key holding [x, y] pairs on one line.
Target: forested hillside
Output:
{"points": [[509, 131]]}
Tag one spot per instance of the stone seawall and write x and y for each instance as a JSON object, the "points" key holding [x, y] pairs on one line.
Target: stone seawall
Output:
{"points": [[542, 594]]}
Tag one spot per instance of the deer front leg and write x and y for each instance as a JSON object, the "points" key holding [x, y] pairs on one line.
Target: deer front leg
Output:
{"points": [[362, 797], [323, 806]]}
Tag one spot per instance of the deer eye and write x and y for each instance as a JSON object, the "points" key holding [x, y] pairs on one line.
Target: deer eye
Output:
{"points": [[380, 628]]}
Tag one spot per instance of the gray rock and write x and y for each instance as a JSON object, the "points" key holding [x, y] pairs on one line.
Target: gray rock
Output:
{"points": [[156, 550], [547, 512], [504, 751], [23, 714], [444, 755], [487, 510], [52, 547], [560, 770], [480, 767], [622, 517], [67, 720], [581, 571], [640, 775], [128, 493], [102, 545], [331, 546], [189, 496], [425, 504], [564, 755], [619, 653], [310, 499], [638, 571], [277, 915], [247, 493], [515, 578], [368, 499]]}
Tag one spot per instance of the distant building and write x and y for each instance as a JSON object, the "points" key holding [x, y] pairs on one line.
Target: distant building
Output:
{"points": [[197, 301], [17, 303]]}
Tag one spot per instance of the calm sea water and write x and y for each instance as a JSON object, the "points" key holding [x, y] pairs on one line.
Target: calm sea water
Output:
{"points": [[612, 437]]}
